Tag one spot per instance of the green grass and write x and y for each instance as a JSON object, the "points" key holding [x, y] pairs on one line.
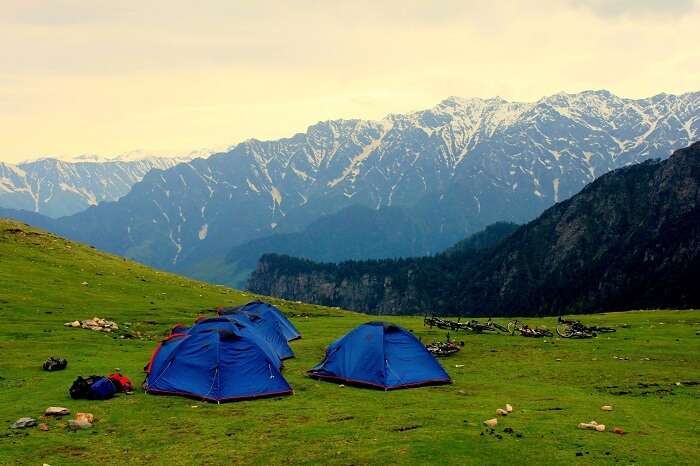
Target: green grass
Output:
{"points": [[41, 287]]}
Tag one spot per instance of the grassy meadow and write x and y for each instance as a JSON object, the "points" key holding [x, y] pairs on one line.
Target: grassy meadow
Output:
{"points": [[649, 371]]}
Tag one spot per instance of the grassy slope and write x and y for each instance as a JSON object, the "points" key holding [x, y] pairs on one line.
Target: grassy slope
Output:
{"points": [[40, 289]]}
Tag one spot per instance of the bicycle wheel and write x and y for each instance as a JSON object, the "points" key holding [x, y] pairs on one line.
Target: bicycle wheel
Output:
{"points": [[564, 330]]}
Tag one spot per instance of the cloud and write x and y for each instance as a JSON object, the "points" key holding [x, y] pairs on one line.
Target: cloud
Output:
{"points": [[622, 8]]}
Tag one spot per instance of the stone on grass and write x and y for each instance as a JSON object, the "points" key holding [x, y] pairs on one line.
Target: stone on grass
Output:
{"points": [[592, 426], [501, 412], [43, 427], [56, 411], [85, 417], [24, 422], [509, 408], [78, 425], [619, 430], [606, 408], [491, 423]]}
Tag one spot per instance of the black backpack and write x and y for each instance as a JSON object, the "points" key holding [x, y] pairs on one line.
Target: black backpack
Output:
{"points": [[54, 364], [81, 386]]}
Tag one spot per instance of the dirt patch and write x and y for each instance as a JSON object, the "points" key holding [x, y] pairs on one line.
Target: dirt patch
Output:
{"points": [[70, 451]]}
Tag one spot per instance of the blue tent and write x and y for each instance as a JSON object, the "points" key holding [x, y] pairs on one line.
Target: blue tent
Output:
{"points": [[380, 355], [269, 312], [268, 329], [214, 365], [244, 327]]}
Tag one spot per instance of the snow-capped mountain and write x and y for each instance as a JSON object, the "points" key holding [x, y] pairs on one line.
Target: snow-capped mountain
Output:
{"points": [[457, 167], [56, 187]]}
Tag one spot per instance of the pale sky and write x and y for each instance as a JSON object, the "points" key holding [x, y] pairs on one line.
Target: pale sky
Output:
{"points": [[108, 77]]}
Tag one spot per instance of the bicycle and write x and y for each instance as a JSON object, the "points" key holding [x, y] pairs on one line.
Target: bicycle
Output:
{"points": [[569, 328], [526, 331]]}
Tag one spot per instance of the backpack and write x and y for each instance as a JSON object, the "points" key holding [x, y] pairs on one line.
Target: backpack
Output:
{"points": [[54, 364], [81, 386], [94, 387], [121, 383], [101, 389]]}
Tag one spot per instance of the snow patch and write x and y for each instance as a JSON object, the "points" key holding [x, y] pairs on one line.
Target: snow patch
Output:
{"points": [[203, 232]]}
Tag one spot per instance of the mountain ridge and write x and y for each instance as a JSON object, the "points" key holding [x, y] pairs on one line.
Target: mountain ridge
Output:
{"points": [[457, 167], [629, 240], [57, 188]]}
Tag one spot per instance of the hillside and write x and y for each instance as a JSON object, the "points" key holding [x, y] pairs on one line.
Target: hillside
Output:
{"points": [[353, 233], [643, 370], [629, 240], [455, 168]]}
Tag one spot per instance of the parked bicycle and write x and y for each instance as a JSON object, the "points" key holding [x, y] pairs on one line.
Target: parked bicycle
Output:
{"points": [[444, 348], [496, 326], [515, 326], [569, 328]]}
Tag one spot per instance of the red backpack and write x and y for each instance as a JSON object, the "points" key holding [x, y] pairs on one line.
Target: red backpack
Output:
{"points": [[123, 384]]}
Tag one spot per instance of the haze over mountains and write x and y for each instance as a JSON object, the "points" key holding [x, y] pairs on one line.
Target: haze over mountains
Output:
{"points": [[448, 171], [630, 240]]}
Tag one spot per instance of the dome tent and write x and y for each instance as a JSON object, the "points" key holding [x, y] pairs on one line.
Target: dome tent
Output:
{"points": [[266, 311], [214, 365], [271, 341], [381, 355], [268, 329]]}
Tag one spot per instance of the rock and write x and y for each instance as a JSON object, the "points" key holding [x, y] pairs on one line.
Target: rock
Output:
{"points": [[84, 283], [592, 426], [491, 423], [86, 417], [619, 431], [501, 412], [24, 422], [606, 408], [43, 427], [56, 411], [75, 323], [78, 425], [509, 408]]}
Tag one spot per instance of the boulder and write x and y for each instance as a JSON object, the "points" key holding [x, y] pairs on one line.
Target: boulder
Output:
{"points": [[56, 411], [24, 422], [78, 425], [86, 417], [491, 423]]}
